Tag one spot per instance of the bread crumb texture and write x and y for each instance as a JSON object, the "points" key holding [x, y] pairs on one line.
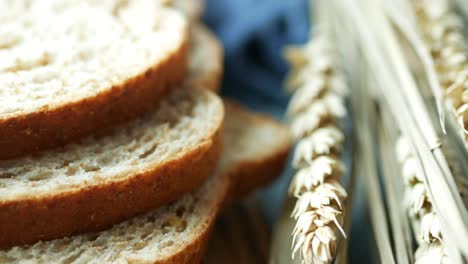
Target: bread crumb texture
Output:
{"points": [[59, 51], [148, 238], [183, 121], [178, 229]]}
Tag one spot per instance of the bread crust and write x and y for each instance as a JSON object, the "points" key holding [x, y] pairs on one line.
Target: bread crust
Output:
{"points": [[194, 251], [56, 125], [96, 208], [210, 79], [266, 167], [241, 179], [259, 172]]}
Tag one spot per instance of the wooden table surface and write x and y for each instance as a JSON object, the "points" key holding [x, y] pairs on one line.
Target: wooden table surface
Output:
{"points": [[240, 236]]}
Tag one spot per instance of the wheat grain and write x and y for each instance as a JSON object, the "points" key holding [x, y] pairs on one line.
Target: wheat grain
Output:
{"points": [[443, 33], [315, 109], [379, 43], [431, 253], [429, 235], [374, 38]]}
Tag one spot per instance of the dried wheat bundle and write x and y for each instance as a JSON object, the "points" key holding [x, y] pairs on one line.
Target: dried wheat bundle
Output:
{"points": [[443, 33], [379, 45], [426, 222], [315, 108]]}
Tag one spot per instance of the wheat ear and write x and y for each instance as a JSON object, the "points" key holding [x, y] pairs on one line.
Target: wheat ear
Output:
{"points": [[443, 33], [315, 108], [426, 222]]}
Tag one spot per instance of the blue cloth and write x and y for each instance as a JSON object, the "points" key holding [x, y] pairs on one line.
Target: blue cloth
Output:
{"points": [[254, 33]]}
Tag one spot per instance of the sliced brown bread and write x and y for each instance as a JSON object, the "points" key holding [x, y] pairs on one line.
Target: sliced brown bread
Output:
{"points": [[263, 133], [206, 58], [101, 181], [176, 233], [206, 52], [71, 68]]}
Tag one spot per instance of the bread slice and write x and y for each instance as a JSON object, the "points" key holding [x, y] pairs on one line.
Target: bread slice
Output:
{"points": [[71, 68], [259, 132], [100, 181], [176, 233], [193, 9], [206, 58], [206, 52]]}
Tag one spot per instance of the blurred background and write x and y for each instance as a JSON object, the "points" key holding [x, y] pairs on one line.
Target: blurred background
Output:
{"points": [[254, 33]]}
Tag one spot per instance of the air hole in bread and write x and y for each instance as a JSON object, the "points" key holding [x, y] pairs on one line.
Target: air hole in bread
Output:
{"points": [[121, 232], [180, 211], [6, 259], [174, 223], [43, 59], [41, 176], [139, 245], [146, 236], [8, 41], [72, 258], [191, 208], [119, 5], [148, 152], [71, 170], [105, 160], [93, 236], [6, 175], [167, 244], [165, 229], [66, 162], [151, 218], [91, 168], [47, 78]]}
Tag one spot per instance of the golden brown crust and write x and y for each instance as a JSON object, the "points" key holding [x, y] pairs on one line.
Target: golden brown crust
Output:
{"points": [[209, 79], [256, 173], [234, 184], [195, 250], [97, 208], [242, 179], [239, 180], [47, 128], [266, 170]]}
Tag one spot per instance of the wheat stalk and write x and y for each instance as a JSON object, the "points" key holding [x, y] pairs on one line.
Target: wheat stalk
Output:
{"points": [[443, 33], [426, 222], [398, 92], [315, 108], [463, 6], [393, 184], [388, 77]]}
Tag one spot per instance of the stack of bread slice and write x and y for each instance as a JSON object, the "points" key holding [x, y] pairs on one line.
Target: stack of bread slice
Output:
{"points": [[113, 146]]}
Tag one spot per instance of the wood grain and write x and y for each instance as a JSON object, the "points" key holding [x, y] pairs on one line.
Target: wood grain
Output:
{"points": [[240, 236]]}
